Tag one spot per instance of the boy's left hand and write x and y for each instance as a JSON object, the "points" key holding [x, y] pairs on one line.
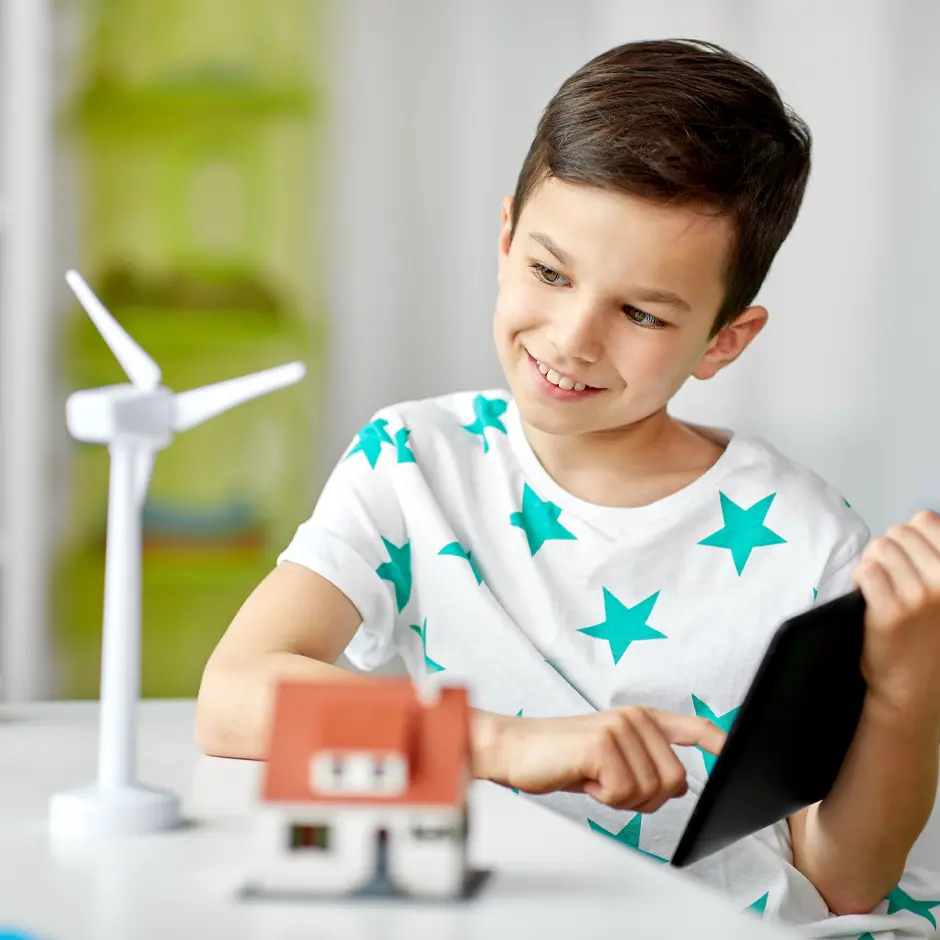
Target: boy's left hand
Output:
{"points": [[899, 576]]}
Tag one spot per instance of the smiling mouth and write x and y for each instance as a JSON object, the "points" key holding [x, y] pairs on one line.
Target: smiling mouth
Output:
{"points": [[559, 379]]}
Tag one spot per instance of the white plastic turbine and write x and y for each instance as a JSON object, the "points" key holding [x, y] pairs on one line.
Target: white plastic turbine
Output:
{"points": [[135, 421]]}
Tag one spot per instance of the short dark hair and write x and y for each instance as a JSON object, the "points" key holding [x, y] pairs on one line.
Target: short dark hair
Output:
{"points": [[681, 121]]}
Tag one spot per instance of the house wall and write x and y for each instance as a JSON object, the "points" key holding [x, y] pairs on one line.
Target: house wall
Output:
{"points": [[434, 867], [422, 866]]}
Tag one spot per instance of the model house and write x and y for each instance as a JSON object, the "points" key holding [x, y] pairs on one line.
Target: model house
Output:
{"points": [[365, 789]]}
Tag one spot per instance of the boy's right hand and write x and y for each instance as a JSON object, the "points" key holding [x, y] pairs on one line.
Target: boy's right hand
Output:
{"points": [[620, 756]]}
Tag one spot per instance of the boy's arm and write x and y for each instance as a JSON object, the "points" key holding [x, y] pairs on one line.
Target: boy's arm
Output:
{"points": [[854, 845], [294, 625]]}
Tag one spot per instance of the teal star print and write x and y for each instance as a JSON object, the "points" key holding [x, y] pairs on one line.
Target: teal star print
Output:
{"points": [[623, 625], [815, 595], [370, 440], [539, 520], [866, 936], [760, 904], [422, 631], [628, 836], [744, 529], [488, 412], [847, 503], [899, 900], [397, 570], [401, 446], [724, 722], [455, 548]]}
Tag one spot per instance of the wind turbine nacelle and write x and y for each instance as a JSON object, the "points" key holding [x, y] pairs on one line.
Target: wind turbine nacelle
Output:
{"points": [[100, 415]]}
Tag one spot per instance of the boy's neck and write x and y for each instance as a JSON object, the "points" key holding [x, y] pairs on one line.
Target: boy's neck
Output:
{"points": [[627, 467]]}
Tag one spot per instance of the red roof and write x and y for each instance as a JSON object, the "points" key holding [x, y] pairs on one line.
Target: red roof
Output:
{"points": [[374, 716]]}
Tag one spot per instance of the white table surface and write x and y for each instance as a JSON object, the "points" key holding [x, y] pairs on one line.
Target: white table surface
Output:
{"points": [[553, 878]]}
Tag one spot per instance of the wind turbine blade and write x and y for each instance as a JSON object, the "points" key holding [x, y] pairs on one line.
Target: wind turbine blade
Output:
{"points": [[138, 365], [201, 404], [142, 471]]}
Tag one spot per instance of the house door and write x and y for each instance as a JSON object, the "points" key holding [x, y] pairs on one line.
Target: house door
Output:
{"points": [[381, 855]]}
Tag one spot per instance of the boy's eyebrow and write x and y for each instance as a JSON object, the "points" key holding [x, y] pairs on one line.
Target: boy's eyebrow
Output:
{"points": [[650, 295], [549, 245], [653, 295]]}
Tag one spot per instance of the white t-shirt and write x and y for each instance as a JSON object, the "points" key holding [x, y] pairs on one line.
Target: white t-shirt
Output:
{"points": [[463, 555]]}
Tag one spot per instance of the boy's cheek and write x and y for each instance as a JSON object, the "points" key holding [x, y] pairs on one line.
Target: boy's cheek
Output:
{"points": [[513, 318]]}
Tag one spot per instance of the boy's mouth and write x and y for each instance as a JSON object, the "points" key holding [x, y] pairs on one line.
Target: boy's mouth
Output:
{"points": [[559, 380]]}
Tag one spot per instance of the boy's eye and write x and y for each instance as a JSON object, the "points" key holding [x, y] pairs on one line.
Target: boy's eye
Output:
{"points": [[551, 277], [644, 319], [546, 274]]}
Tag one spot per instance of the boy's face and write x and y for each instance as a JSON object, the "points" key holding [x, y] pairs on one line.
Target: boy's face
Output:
{"points": [[582, 292]]}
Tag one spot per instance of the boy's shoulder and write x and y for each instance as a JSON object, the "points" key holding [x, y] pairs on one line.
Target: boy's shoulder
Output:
{"points": [[810, 501], [456, 416]]}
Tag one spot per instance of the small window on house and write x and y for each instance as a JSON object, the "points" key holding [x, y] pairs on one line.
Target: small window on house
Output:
{"points": [[309, 837], [433, 833], [358, 773], [338, 770]]}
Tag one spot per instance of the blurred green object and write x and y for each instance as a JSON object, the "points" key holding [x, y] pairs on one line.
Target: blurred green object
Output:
{"points": [[195, 133]]}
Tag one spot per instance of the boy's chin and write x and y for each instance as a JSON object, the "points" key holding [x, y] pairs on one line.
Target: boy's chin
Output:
{"points": [[550, 419]]}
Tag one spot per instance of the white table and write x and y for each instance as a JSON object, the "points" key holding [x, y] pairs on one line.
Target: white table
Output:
{"points": [[554, 879]]}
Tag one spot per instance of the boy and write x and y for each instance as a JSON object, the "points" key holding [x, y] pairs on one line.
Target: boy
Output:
{"points": [[603, 576]]}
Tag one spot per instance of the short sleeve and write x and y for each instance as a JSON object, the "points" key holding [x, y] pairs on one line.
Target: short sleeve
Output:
{"points": [[836, 577], [356, 528]]}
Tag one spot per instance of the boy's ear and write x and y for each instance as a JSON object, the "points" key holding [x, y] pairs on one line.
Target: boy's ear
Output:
{"points": [[731, 342], [505, 227]]}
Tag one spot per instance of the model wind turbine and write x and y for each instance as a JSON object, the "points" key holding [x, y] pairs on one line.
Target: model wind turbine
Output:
{"points": [[135, 421]]}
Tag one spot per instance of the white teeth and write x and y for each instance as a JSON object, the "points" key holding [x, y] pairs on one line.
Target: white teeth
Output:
{"points": [[562, 381]]}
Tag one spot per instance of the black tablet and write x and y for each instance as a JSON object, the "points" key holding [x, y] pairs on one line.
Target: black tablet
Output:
{"points": [[790, 737]]}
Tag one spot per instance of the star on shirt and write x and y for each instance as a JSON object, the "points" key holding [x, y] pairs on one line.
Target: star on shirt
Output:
{"points": [[422, 631], [760, 904], [539, 520], [743, 529], [369, 441], [488, 412], [623, 625], [629, 835], [815, 595], [397, 570], [404, 452], [724, 722], [899, 900], [456, 549]]}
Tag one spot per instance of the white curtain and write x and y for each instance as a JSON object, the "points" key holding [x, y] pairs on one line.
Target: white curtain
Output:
{"points": [[434, 105]]}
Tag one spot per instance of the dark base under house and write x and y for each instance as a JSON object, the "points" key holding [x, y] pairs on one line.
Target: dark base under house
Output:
{"points": [[380, 888]]}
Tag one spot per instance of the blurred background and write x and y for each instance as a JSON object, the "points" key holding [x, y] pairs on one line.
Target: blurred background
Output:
{"points": [[246, 184]]}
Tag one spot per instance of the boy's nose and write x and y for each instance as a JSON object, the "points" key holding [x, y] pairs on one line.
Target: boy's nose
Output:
{"points": [[577, 335]]}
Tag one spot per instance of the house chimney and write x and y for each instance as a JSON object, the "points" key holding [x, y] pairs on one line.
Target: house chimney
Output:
{"points": [[427, 690]]}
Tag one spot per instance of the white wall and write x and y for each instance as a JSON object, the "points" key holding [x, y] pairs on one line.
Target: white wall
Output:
{"points": [[434, 107]]}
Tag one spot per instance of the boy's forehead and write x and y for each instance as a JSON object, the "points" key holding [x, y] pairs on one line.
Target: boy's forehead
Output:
{"points": [[591, 226]]}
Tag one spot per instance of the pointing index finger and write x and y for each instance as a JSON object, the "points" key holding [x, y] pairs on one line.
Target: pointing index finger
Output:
{"points": [[690, 730]]}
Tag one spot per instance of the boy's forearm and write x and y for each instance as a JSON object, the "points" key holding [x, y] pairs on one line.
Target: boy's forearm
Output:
{"points": [[235, 700], [855, 843], [234, 706]]}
